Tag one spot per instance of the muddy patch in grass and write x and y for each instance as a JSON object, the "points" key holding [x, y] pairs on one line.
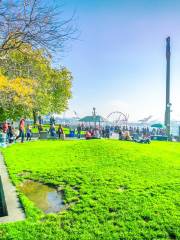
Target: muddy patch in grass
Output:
{"points": [[47, 198]]}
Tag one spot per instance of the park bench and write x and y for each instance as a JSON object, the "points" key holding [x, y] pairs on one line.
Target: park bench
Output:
{"points": [[35, 135], [45, 135], [52, 137]]}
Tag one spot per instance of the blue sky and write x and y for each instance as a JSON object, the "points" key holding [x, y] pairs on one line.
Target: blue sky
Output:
{"points": [[118, 63]]}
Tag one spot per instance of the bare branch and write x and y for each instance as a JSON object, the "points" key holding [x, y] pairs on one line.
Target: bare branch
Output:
{"points": [[34, 23]]}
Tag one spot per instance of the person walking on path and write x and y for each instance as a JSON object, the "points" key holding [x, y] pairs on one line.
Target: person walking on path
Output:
{"points": [[60, 132], [21, 130], [28, 133]]}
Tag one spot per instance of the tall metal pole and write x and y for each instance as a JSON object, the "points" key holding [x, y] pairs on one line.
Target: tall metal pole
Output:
{"points": [[94, 116], [168, 104]]}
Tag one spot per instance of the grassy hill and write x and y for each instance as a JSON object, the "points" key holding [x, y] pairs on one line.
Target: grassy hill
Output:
{"points": [[114, 190]]}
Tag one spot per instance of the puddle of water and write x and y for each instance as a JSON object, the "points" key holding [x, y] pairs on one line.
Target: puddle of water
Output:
{"points": [[48, 199]]}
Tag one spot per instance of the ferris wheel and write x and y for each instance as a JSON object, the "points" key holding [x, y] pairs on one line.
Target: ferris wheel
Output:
{"points": [[118, 118]]}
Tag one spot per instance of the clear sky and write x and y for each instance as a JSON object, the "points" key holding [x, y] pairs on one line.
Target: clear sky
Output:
{"points": [[118, 63]]}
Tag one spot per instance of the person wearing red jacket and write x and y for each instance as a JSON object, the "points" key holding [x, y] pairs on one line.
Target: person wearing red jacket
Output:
{"points": [[5, 127], [21, 130]]}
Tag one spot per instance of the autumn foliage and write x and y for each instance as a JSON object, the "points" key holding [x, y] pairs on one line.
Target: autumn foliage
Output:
{"points": [[29, 84], [16, 96]]}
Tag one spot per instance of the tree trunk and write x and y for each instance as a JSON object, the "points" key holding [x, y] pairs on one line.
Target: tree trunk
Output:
{"points": [[34, 117]]}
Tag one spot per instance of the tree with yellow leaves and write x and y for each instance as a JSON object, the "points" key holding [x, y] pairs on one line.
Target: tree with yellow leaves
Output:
{"points": [[16, 97], [28, 70]]}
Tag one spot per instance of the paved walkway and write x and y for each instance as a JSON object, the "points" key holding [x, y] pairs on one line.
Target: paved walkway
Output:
{"points": [[15, 212]]}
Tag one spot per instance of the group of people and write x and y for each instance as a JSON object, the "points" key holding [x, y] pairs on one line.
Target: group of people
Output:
{"points": [[123, 135], [91, 132], [127, 133], [56, 133], [105, 131], [143, 131], [127, 136], [10, 134]]}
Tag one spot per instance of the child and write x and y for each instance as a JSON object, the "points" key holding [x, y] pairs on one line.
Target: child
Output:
{"points": [[28, 133]]}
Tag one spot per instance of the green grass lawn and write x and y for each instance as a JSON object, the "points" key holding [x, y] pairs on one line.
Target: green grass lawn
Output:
{"points": [[115, 190]]}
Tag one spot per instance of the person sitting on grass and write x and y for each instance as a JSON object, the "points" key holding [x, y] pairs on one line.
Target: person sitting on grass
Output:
{"points": [[88, 135], [96, 134], [92, 134], [28, 133], [143, 140], [127, 136]]}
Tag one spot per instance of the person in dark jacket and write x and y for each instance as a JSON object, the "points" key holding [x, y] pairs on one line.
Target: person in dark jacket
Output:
{"points": [[60, 132], [10, 133], [79, 131], [28, 133]]}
